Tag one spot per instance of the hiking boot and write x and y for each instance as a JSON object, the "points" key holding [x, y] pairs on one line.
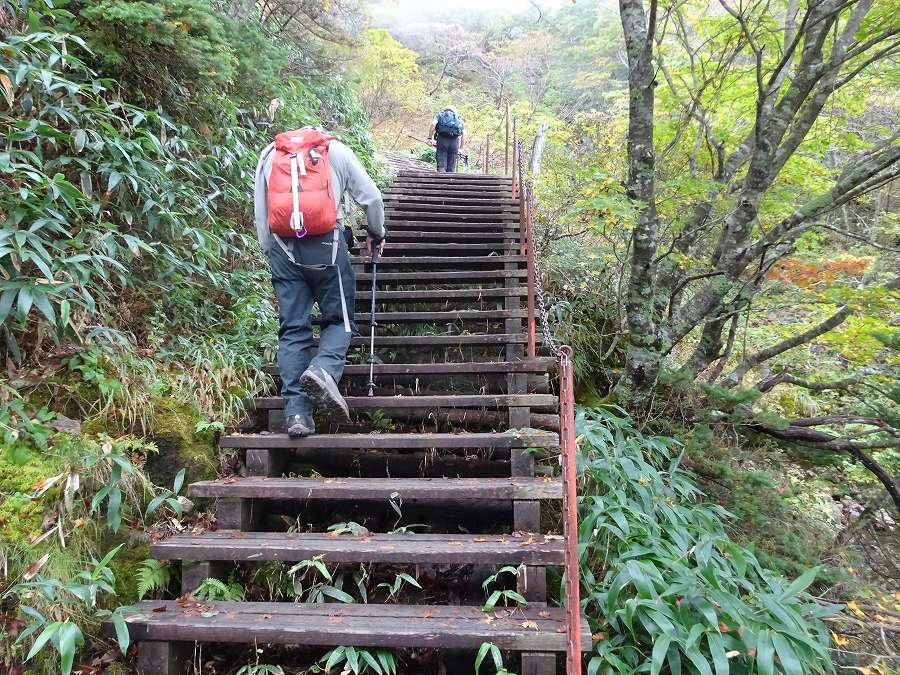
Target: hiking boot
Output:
{"points": [[321, 387], [299, 426]]}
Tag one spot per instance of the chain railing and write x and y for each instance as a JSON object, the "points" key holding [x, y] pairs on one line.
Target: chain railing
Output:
{"points": [[563, 354]]}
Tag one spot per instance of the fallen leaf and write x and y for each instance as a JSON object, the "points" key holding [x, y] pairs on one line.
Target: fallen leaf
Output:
{"points": [[35, 567]]}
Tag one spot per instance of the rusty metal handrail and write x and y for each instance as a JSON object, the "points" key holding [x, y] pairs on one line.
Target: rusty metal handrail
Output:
{"points": [[568, 449], [570, 510]]}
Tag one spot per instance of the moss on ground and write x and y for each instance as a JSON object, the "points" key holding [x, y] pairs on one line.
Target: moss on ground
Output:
{"points": [[173, 430], [21, 517]]}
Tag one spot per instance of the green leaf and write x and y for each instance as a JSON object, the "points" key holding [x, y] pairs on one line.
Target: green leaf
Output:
{"points": [[352, 659], [372, 661], [179, 481], [6, 301], [114, 179], [492, 601], [801, 583], [335, 656], [337, 594], [80, 139], [786, 654], [717, 649], [479, 657], [70, 638], [114, 509], [699, 660], [42, 639], [108, 557], [765, 653], [122, 635], [658, 658]]}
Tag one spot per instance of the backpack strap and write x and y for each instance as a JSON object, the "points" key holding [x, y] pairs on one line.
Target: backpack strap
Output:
{"points": [[334, 252], [297, 166]]}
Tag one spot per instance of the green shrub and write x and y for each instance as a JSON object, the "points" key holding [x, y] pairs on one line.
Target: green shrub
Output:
{"points": [[664, 586]]}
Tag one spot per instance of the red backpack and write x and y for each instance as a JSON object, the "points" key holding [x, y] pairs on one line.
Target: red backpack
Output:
{"points": [[300, 196]]}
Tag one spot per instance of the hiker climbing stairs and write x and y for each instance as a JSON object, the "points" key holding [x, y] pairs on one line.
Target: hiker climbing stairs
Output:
{"points": [[448, 438]]}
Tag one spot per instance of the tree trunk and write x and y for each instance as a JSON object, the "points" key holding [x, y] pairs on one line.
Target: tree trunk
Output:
{"points": [[540, 141], [643, 354]]}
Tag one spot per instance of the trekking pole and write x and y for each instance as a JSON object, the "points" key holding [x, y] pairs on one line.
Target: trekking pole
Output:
{"points": [[372, 323]]}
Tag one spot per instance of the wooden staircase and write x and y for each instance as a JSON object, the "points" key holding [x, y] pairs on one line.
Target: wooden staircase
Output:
{"points": [[457, 406]]}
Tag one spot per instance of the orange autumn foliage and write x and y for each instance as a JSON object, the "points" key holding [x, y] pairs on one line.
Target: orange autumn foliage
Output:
{"points": [[803, 274]]}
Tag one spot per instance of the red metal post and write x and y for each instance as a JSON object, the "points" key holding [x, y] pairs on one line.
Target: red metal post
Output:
{"points": [[529, 257], [570, 511]]}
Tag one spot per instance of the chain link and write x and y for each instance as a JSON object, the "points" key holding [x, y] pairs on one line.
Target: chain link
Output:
{"points": [[528, 194]]}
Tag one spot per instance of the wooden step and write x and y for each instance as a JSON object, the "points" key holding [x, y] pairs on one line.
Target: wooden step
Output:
{"points": [[539, 365], [441, 276], [415, 173], [419, 235], [522, 439], [455, 248], [477, 192], [429, 182], [396, 341], [493, 401], [442, 294], [496, 228], [439, 317], [379, 489], [425, 549], [540, 629], [401, 237], [459, 261], [444, 216], [488, 212], [451, 199]]}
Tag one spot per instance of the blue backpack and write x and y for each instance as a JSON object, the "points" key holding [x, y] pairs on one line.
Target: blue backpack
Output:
{"points": [[448, 124]]}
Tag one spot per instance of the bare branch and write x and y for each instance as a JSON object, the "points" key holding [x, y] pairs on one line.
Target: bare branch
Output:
{"points": [[835, 320], [786, 378]]}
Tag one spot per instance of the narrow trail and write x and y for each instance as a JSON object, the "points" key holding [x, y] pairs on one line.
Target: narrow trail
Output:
{"points": [[449, 439]]}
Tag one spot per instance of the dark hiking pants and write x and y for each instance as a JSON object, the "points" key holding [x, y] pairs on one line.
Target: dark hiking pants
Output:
{"points": [[447, 152], [311, 278]]}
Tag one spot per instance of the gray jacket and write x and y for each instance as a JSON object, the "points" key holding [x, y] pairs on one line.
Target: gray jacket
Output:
{"points": [[347, 175]]}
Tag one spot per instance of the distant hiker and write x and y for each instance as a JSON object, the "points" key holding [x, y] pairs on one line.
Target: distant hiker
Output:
{"points": [[449, 134], [300, 181]]}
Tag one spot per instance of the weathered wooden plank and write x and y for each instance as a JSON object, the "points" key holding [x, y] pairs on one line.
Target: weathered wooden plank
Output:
{"points": [[461, 261], [450, 316], [412, 224], [438, 340], [531, 439], [539, 365], [444, 294], [401, 235], [449, 401], [425, 549], [444, 216], [486, 192], [363, 625], [449, 197], [443, 277], [379, 489], [459, 246]]}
